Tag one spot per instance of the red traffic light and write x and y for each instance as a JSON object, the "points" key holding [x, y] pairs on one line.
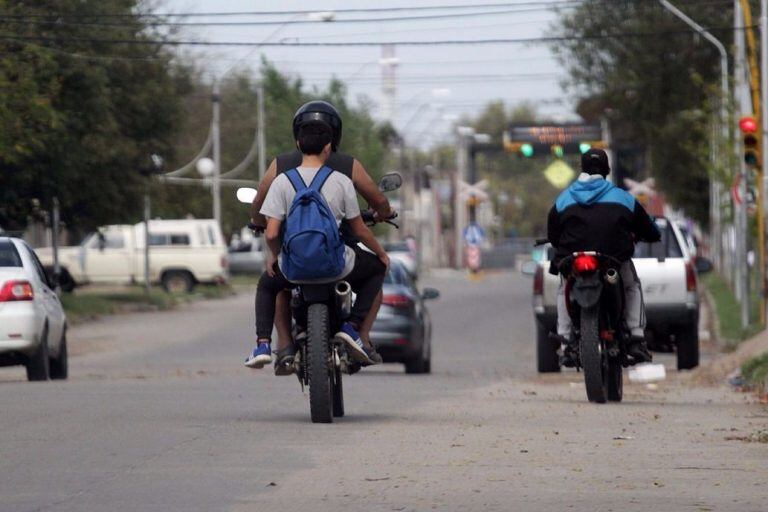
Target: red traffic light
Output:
{"points": [[747, 124]]}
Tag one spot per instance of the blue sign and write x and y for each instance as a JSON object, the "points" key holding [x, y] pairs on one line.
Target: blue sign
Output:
{"points": [[474, 234]]}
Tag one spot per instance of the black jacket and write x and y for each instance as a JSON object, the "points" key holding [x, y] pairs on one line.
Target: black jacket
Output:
{"points": [[595, 215]]}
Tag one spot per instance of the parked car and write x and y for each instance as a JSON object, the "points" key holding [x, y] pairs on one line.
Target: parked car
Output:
{"points": [[183, 253], [33, 327], [247, 256], [402, 331], [668, 274], [405, 254]]}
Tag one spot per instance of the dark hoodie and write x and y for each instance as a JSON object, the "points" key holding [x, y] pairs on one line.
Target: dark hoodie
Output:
{"points": [[594, 215]]}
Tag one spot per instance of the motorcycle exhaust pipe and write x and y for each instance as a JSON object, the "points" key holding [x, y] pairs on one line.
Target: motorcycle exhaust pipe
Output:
{"points": [[344, 298], [611, 276]]}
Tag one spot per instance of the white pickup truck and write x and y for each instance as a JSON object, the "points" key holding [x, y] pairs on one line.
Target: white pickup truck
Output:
{"points": [[668, 273], [182, 254]]}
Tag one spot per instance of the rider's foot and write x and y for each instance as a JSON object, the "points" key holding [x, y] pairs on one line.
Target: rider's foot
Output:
{"points": [[284, 360], [351, 338], [374, 357], [261, 355], [568, 357], [638, 350]]}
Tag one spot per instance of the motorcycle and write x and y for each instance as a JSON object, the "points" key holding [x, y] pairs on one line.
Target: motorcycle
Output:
{"points": [[594, 297], [318, 311]]}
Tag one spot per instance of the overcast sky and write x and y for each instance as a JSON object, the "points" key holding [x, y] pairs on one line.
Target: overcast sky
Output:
{"points": [[435, 84]]}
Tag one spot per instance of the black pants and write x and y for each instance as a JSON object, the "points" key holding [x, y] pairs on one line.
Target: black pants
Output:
{"points": [[366, 279]]}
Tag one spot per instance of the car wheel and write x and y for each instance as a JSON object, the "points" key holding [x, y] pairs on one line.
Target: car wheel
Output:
{"points": [[177, 281], [38, 363], [428, 357], [547, 360], [59, 369], [687, 340]]}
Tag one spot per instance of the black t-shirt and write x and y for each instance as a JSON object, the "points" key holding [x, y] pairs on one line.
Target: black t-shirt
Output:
{"points": [[336, 161]]}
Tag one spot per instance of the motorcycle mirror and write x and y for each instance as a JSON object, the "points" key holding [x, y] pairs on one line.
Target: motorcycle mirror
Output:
{"points": [[390, 181], [246, 195]]}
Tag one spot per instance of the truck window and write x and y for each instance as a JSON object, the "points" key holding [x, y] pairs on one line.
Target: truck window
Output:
{"points": [[158, 239], [179, 239], [668, 247], [114, 240], [211, 236], [9, 256]]}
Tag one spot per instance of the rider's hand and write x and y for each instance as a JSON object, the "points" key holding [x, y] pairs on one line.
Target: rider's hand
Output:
{"points": [[271, 263], [258, 225]]}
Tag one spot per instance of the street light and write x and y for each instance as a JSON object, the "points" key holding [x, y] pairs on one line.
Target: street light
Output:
{"points": [[205, 167]]}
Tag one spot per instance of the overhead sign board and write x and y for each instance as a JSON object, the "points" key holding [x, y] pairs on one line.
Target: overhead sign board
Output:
{"points": [[568, 138]]}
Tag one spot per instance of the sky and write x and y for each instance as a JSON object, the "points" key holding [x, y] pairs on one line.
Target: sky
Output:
{"points": [[435, 85]]}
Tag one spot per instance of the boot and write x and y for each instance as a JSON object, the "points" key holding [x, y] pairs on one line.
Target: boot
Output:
{"points": [[637, 350]]}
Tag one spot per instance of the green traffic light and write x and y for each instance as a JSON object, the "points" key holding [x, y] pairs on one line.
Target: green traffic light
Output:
{"points": [[557, 150], [526, 150], [584, 147]]}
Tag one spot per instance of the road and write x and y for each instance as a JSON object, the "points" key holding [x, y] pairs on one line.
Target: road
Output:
{"points": [[159, 414]]}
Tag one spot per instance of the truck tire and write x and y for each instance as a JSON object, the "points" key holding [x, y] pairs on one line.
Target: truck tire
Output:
{"points": [[687, 339], [177, 281], [547, 360]]}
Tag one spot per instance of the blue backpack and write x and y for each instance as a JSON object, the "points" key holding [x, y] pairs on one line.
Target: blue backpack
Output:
{"points": [[312, 246]]}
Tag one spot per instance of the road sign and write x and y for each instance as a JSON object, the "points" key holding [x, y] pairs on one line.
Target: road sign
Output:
{"points": [[559, 174], [473, 258], [476, 191], [564, 138], [474, 235]]}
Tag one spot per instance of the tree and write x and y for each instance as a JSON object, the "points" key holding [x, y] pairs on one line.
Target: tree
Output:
{"points": [[656, 81], [81, 117]]}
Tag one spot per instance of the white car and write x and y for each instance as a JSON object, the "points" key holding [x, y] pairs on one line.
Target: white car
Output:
{"points": [[668, 273], [32, 321]]}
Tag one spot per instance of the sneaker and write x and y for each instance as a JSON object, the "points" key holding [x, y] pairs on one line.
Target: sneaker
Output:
{"points": [[568, 356], [261, 355], [351, 338], [638, 351], [284, 361], [374, 357]]}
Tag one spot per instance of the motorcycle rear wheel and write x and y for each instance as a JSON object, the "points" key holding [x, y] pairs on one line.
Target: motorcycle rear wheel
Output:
{"points": [[593, 358], [319, 364]]}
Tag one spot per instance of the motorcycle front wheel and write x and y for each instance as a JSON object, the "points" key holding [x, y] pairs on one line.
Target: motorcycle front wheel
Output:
{"points": [[594, 360], [319, 364]]}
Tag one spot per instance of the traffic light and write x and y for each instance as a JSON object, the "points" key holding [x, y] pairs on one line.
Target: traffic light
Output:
{"points": [[557, 150], [526, 150], [584, 147], [748, 127]]}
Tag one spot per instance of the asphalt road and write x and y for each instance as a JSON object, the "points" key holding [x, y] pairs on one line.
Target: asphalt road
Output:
{"points": [[159, 414]]}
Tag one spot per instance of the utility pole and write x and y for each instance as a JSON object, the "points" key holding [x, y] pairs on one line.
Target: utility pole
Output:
{"points": [[764, 130], [215, 131], [464, 135], [262, 136], [55, 243], [744, 105], [147, 284]]}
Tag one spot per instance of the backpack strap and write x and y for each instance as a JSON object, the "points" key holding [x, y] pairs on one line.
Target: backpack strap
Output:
{"points": [[320, 178], [295, 178]]}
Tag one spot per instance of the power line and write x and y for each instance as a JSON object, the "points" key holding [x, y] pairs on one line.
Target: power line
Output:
{"points": [[550, 3], [24, 21], [309, 44]]}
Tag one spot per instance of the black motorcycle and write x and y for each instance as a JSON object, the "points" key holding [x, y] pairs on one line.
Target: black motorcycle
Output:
{"points": [[318, 311], [594, 296]]}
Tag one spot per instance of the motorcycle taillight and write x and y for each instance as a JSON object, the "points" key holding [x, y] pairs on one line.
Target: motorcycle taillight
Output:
{"points": [[584, 263]]}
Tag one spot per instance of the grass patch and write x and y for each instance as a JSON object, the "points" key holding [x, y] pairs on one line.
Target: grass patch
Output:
{"points": [[728, 311], [755, 371], [92, 303]]}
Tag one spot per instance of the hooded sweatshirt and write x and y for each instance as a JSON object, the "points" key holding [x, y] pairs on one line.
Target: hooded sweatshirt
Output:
{"points": [[592, 214]]}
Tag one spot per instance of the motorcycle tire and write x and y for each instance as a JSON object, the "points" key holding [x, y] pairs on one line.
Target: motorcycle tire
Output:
{"points": [[593, 358], [338, 393], [319, 365], [615, 380]]}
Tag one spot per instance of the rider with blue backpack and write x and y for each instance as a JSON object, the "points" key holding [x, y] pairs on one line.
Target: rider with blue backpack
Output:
{"points": [[304, 209]]}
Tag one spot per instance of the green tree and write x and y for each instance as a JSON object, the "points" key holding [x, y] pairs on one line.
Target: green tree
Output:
{"points": [[637, 64]]}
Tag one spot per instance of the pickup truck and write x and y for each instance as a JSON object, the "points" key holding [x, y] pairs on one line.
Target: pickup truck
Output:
{"points": [[182, 253], [669, 277]]}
